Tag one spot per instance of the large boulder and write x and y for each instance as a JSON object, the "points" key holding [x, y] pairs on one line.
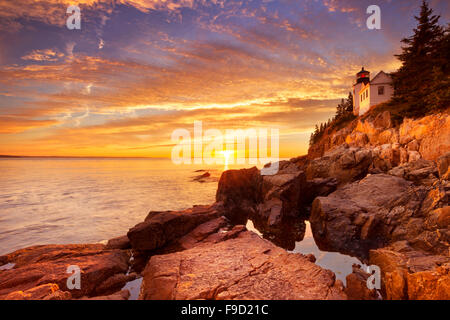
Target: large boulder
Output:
{"points": [[278, 214], [344, 163], [318, 187], [356, 285], [211, 232], [386, 157], [373, 131], [364, 215], [121, 242], [246, 267], [421, 172], [40, 265], [409, 274], [160, 228], [239, 191], [281, 197]]}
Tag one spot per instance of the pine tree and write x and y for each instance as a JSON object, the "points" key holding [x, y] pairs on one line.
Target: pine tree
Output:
{"points": [[349, 103], [413, 81], [439, 97], [340, 109]]}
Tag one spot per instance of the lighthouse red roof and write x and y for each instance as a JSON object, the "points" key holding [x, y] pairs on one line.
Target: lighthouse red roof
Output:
{"points": [[363, 71]]}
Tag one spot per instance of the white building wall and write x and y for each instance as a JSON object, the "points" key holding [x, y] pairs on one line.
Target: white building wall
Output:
{"points": [[377, 98], [356, 100], [381, 80], [364, 99]]}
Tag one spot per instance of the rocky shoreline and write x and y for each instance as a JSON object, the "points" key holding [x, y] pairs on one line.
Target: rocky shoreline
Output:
{"points": [[372, 190]]}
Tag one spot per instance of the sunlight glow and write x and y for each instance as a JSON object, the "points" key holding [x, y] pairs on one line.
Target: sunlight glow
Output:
{"points": [[226, 155]]}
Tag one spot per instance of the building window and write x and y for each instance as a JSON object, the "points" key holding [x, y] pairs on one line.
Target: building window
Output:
{"points": [[380, 90]]}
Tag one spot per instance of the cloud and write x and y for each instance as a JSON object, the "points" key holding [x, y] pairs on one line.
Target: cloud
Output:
{"points": [[9, 125], [169, 5], [43, 55], [48, 12], [53, 12], [151, 134], [342, 6]]}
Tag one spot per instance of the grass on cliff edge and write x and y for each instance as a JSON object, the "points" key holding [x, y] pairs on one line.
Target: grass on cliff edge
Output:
{"points": [[400, 111]]}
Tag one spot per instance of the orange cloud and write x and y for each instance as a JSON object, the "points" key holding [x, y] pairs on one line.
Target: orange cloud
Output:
{"points": [[43, 55], [10, 125]]}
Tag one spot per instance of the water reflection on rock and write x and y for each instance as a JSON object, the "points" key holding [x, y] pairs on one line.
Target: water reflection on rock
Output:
{"points": [[285, 235], [296, 236]]}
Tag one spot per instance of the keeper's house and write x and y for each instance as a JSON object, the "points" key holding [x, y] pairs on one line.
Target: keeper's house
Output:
{"points": [[369, 92]]}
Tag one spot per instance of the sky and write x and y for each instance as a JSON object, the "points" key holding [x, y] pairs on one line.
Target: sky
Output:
{"points": [[139, 69]]}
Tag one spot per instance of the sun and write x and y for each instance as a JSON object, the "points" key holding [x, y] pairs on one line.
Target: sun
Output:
{"points": [[227, 155]]}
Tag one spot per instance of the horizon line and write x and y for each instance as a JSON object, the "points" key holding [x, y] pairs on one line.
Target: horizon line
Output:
{"points": [[131, 157]]}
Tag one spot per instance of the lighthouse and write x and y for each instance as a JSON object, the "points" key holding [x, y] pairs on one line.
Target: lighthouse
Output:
{"points": [[362, 79], [369, 92], [363, 76]]}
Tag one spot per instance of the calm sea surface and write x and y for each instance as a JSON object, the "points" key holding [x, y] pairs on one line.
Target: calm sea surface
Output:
{"points": [[66, 200]]}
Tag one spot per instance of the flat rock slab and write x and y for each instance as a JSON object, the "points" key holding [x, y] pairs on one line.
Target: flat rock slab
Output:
{"points": [[246, 267], [39, 265]]}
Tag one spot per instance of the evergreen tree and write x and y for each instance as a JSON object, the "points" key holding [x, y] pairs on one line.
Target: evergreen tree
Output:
{"points": [[344, 113], [349, 103], [439, 97], [316, 131], [340, 109], [413, 81]]}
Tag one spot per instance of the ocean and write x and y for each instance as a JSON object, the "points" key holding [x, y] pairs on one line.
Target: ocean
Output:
{"points": [[88, 200]]}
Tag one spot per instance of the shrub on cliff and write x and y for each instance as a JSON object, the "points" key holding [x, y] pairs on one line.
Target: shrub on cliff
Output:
{"points": [[344, 115]]}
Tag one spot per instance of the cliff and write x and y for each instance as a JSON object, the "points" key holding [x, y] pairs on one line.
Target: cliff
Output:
{"points": [[428, 135]]}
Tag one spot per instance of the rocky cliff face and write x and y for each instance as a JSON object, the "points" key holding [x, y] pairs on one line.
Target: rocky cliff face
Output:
{"points": [[426, 138], [396, 217]]}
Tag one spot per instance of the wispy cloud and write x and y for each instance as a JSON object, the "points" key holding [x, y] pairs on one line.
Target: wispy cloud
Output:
{"points": [[138, 69]]}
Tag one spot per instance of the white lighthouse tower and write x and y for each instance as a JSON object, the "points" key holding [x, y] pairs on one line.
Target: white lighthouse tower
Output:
{"points": [[362, 79]]}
